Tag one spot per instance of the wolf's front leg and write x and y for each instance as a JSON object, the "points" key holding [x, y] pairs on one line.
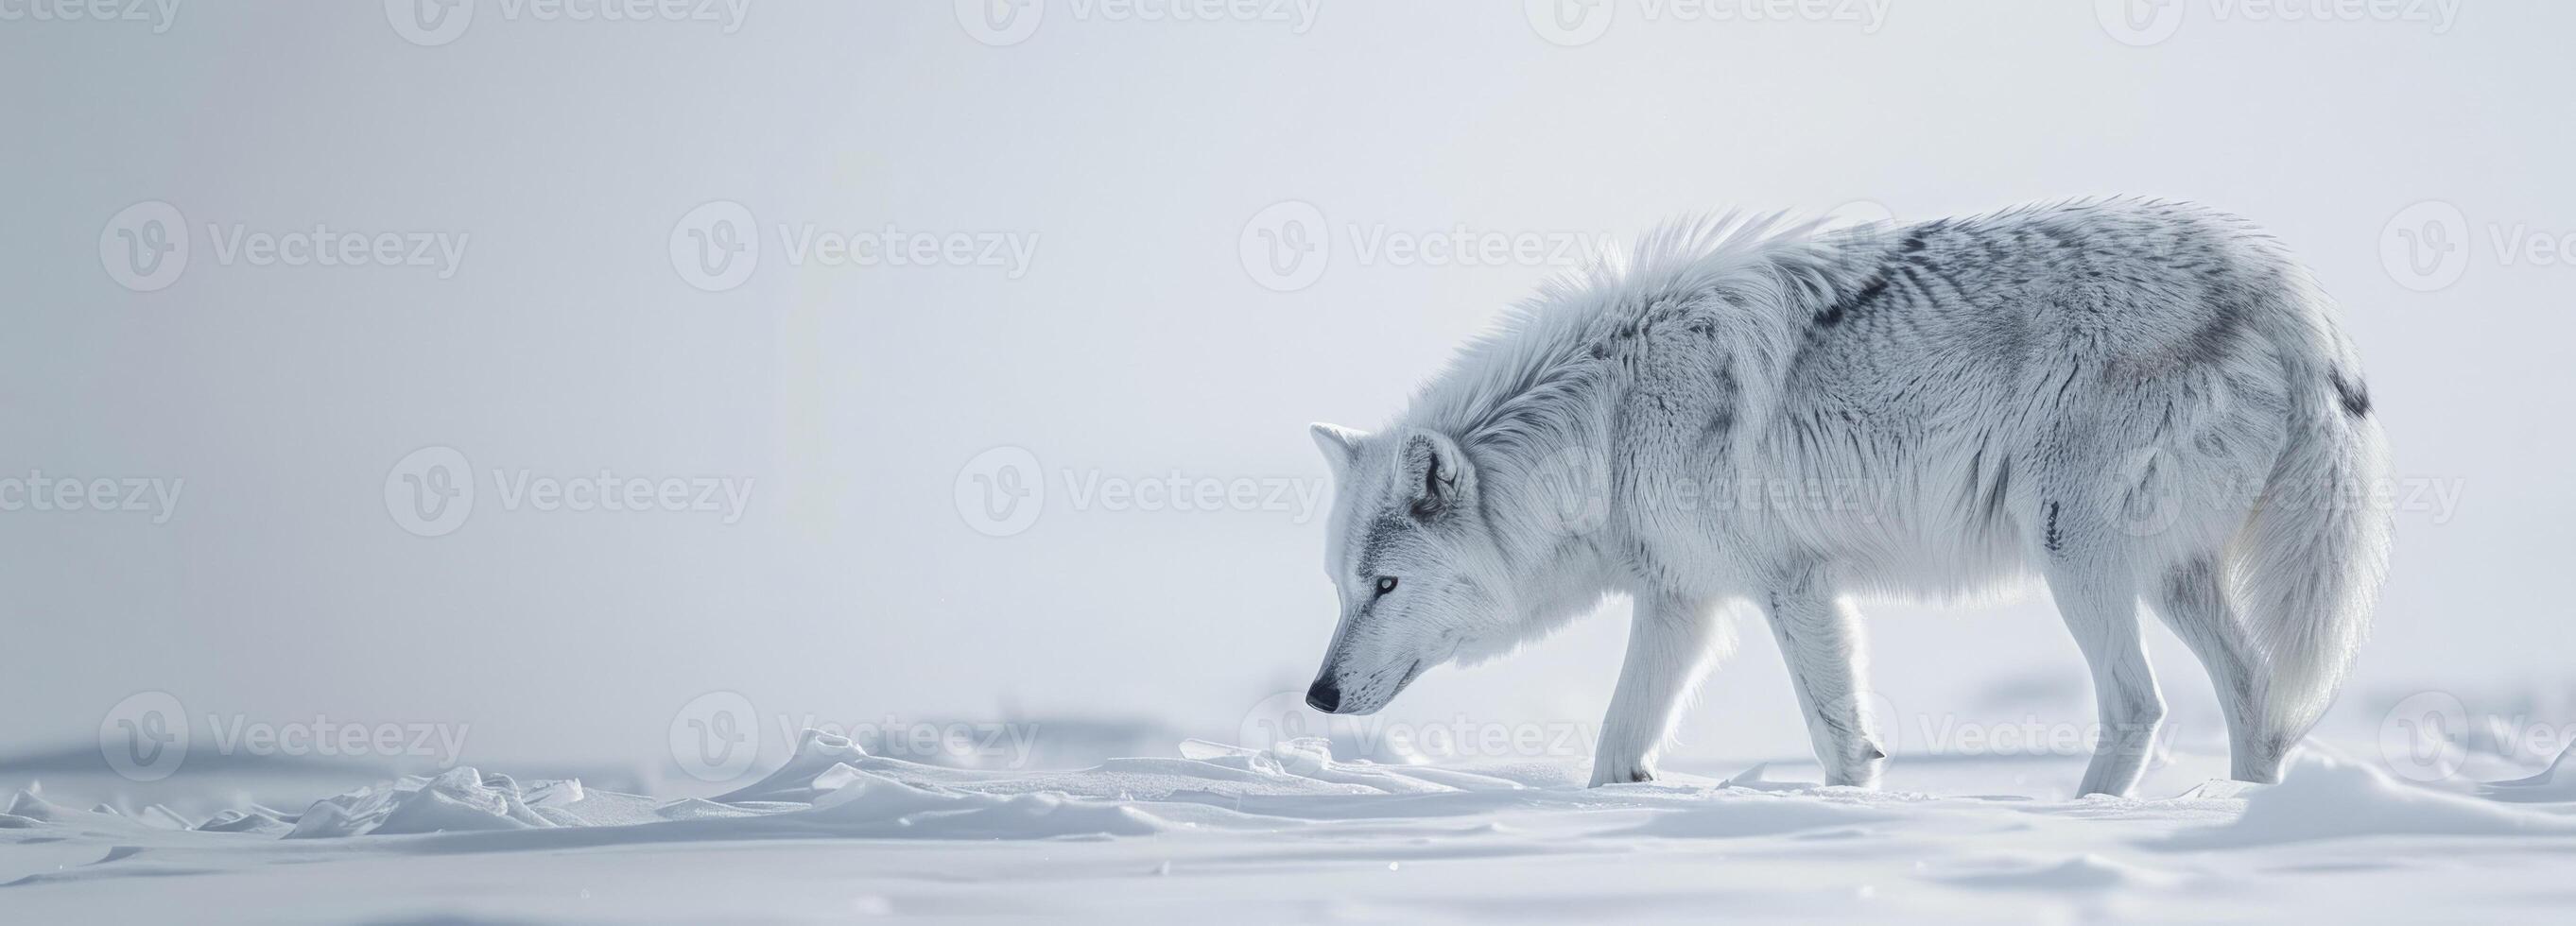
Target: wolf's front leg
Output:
{"points": [[1821, 638], [1669, 645]]}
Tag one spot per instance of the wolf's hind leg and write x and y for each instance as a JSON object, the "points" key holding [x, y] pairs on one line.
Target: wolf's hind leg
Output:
{"points": [[2100, 606], [1670, 644], [1822, 640], [2193, 601]]}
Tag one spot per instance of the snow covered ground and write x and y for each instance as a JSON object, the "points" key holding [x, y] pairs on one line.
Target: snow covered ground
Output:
{"points": [[1291, 834]]}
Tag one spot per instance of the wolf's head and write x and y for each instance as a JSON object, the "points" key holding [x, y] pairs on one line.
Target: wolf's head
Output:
{"points": [[1414, 559]]}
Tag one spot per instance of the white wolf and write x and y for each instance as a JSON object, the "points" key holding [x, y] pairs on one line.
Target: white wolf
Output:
{"points": [[2129, 399]]}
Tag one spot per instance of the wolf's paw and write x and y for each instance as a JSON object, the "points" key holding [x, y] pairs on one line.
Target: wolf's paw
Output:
{"points": [[1620, 773], [1858, 771]]}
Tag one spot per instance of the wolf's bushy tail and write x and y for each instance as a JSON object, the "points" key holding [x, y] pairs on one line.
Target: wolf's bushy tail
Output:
{"points": [[2306, 569]]}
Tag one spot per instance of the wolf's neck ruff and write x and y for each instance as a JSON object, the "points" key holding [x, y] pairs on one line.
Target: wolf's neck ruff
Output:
{"points": [[1535, 399], [1524, 380]]}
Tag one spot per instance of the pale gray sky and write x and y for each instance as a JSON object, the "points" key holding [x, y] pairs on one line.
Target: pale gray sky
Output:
{"points": [[1095, 302]]}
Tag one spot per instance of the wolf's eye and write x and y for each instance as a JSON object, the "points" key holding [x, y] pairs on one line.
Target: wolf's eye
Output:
{"points": [[1385, 584]]}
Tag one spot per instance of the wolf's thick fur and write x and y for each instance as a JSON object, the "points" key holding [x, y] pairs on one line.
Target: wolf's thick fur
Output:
{"points": [[2133, 400]]}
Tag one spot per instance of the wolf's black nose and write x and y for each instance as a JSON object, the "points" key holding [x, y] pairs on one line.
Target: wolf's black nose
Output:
{"points": [[1324, 696]]}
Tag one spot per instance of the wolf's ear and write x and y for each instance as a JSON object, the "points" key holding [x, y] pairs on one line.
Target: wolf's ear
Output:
{"points": [[1436, 474], [1340, 445]]}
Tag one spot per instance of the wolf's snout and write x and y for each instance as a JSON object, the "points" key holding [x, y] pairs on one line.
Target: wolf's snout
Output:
{"points": [[1324, 696]]}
